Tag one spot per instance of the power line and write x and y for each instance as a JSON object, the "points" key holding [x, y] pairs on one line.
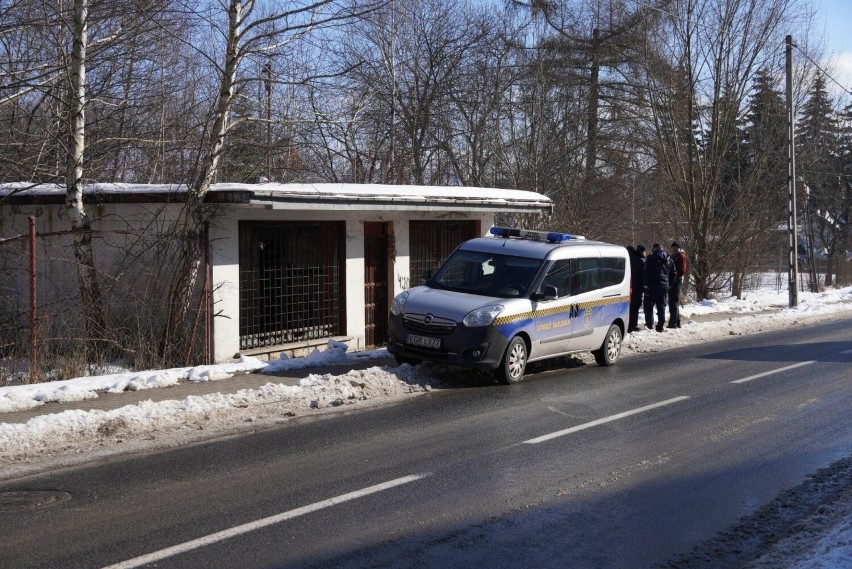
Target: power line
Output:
{"points": [[846, 90]]}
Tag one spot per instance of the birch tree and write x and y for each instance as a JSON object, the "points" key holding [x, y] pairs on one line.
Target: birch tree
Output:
{"points": [[79, 219], [246, 29]]}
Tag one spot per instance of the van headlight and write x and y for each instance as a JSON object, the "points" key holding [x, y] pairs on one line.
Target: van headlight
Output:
{"points": [[398, 303], [482, 316]]}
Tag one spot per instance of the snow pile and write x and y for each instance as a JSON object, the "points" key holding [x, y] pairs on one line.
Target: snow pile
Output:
{"points": [[335, 353], [81, 431], [23, 397]]}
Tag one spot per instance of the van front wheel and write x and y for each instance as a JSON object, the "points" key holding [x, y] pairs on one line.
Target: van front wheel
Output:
{"points": [[514, 361], [611, 347]]}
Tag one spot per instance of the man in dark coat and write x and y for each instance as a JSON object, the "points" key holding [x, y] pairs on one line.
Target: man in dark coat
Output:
{"points": [[637, 284], [679, 260], [658, 268]]}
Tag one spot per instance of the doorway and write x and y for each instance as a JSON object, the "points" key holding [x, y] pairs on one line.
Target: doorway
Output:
{"points": [[376, 261]]}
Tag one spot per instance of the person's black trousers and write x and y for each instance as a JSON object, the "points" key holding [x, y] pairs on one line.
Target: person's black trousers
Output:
{"points": [[659, 302], [674, 303]]}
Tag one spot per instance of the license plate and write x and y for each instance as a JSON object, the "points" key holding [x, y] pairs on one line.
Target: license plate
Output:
{"points": [[423, 341]]}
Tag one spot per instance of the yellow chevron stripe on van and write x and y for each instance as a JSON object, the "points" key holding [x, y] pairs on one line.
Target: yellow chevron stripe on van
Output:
{"points": [[500, 320]]}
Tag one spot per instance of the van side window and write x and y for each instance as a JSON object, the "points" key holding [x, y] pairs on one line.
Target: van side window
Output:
{"points": [[612, 271], [585, 277], [559, 275]]}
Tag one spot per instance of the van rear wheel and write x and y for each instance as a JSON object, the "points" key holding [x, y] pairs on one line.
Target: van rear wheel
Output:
{"points": [[514, 361], [608, 353]]}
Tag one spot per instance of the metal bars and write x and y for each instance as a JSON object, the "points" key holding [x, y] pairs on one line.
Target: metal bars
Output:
{"points": [[291, 282], [433, 241]]}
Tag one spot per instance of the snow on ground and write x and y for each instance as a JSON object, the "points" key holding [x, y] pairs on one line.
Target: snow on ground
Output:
{"points": [[75, 435], [22, 397]]}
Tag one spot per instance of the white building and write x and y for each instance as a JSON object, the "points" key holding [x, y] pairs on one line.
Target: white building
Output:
{"points": [[290, 265]]}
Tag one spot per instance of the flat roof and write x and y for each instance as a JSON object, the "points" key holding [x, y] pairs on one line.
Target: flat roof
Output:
{"points": [[296, 196]]}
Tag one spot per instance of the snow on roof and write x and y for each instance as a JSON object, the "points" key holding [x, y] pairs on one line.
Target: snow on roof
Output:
{"points": [[274, 193]]}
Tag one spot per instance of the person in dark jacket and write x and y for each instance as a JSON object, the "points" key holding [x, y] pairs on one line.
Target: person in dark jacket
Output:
{"points": [[658, 268], [637, 284], [679, 260]]}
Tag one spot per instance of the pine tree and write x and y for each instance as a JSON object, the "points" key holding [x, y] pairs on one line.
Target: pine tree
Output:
{"points": [[765, 148], [819, 161], [845, 178]]}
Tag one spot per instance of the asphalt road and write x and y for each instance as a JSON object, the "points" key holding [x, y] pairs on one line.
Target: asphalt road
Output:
{"points": [[628, 466]]}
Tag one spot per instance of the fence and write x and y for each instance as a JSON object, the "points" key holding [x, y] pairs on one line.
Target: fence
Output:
{"points": [[43, 332], [776, 275]]}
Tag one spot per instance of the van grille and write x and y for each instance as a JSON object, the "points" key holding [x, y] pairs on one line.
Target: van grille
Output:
{"points": [[435, 326]]}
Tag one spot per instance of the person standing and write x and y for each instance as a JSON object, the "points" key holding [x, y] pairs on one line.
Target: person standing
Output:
{"points": [[658, 269], [679, 260], [637, 284]]}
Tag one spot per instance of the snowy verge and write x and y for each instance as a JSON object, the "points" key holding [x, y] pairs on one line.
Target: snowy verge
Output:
{"points": [[172, 422], [23, 397]]}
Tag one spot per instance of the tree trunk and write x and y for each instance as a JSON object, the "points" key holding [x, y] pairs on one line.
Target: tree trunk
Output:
{"points": [[80, 222], [189, 264], [737, 285], [829, 280]]}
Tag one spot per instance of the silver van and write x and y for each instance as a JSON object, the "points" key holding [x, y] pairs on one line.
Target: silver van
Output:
{"points": [[518, 296]]}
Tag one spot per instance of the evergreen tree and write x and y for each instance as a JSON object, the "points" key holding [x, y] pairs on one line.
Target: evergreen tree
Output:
{"points": [[819, 161], [765, 146], [845, 185]]}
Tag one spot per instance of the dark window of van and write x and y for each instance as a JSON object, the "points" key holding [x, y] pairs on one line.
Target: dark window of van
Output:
{"points": [[612, 271], [585, 277], [559, 275]]}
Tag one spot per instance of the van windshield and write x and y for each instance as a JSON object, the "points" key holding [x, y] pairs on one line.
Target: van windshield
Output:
{"points": [[486, 274]]}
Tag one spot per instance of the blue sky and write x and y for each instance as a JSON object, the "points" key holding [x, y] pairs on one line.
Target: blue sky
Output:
{"points": [[836, 16]]}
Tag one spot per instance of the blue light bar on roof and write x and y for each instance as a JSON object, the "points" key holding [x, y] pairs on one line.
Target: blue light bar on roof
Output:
{"points": [[550, 236]]}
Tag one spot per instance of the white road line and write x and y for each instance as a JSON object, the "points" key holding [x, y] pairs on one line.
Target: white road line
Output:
{"points": [[262, 523], [779, 370], [560, 411], [597, 422]]}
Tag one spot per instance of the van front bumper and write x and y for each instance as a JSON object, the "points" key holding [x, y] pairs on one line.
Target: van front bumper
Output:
{"points": [[480, 347]]}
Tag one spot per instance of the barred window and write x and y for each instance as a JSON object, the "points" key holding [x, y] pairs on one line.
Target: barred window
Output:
{"points": [[291, 282]]}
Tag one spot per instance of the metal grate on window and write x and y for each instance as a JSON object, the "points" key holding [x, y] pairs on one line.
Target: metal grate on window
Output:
{"points": [[291, 282], [432, 242]]}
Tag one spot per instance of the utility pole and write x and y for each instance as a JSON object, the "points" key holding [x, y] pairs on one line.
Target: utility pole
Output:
{"points": [[793, 268]]}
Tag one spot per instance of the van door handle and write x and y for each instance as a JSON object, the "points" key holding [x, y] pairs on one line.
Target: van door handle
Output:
{"points": [[612, 295]]}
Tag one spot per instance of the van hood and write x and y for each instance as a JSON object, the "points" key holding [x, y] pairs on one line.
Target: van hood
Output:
{"points": [[446, 303]]}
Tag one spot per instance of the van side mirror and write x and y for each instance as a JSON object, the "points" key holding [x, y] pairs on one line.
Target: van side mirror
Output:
{"points": [[548, 292]]}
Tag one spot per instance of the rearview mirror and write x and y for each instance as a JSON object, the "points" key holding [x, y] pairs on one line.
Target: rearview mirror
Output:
{"points": [[548, 292]]}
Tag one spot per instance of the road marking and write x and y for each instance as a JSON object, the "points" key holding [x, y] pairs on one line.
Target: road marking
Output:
{"points": [[597, 422], [779, 370], [560, 411], [262, 523]]}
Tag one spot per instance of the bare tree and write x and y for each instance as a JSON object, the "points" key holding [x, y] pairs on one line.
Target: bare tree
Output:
{"points": [[699, 74], [249, 29]]}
